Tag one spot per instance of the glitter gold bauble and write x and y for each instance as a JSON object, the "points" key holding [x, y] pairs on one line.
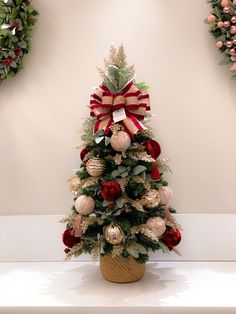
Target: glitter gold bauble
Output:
{"points": [[120, 141], [74, 184], [95, 166], [84, 205], [151, 199], [114, 234]]}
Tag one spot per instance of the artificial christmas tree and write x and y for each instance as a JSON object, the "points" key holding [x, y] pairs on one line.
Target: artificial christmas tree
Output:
{"points": [[121, 209]]}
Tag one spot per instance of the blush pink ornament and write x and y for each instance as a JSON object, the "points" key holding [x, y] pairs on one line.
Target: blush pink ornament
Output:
{"points": [[226, 10], [233, 19], [120, 141], [234, 2], [229, 44], [232, 30], [220, 24], [84, 205], [156, 225], [224, 3], [226, 24], [219, 44], [232, 51], [234, 41], [165, 194], [233, 58], [211, 19]]}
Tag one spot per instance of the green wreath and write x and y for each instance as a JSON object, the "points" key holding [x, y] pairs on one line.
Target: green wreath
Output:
{"points": [[17, 18], [222, 23]]}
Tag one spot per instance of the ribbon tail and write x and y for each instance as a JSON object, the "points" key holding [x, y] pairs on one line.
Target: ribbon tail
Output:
{"points": [[77, 227], [155, 174], [103, 124], [132, 125]]}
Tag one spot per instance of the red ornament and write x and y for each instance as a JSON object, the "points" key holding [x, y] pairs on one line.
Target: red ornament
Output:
{"points": [[153, 148], [17, 51], [83, 152], [68, 238], [171, 237], [8, 61], [111, 190], [155, 174]]}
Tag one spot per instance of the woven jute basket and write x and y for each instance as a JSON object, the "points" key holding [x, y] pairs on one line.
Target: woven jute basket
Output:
{"points": [[119, 269]]}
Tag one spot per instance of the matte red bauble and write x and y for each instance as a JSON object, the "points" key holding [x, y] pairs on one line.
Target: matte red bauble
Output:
{"points": [[83, 152], [111, 190], [171, 237], [68, 239], [153, 148]]}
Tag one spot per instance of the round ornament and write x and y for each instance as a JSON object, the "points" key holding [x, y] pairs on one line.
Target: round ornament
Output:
{"points": [[151, 199], [111, 190], [114, 234], [84, 205], [232, 30], [74, 184], [211, 19], [156, 225], [226, 10], [153, 148], [69, 239], [220, 24], [16, 23], [95, 166], [166, 195], [120, 141], [83, 152], [219, 44], [224, 3], [171, 237]]}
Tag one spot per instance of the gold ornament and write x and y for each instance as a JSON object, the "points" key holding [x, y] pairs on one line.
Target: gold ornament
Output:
{"points": [[84, 205], [95, 166], [114, 234], [74, 184], [120, 141], [151, 199]]}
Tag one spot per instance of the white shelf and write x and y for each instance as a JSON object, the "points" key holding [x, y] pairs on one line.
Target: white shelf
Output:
{"points": [[78, 287]]}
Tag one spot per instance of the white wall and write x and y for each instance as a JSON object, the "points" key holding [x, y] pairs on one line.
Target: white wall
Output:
{"points": [[193, 99]]}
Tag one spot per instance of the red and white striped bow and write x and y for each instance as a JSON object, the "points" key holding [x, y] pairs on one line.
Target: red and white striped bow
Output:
{"points": [[135, 103]]}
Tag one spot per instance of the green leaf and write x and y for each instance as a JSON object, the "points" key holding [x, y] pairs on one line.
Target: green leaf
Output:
{"points": [[105, 203], [142, 86], [225, 61], [120, 202], [132, 251], [107, 140], [138, 169], [98, 139], [115, 173]]}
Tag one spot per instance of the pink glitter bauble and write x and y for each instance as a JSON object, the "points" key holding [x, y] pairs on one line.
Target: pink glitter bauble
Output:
{"points": [[211, 19], [220, 24], [232, 30], [219, 44], [225, 3]]}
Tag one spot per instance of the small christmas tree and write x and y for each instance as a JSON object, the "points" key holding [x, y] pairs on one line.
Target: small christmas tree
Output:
{"points": [[121, 200]]}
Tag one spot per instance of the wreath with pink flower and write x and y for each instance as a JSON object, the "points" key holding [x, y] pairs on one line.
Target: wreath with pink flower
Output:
{"points": [[222, 23], [17, 18]]}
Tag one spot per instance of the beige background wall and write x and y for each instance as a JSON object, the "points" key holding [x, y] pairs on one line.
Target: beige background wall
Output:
{"points": [[193, 99]]}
